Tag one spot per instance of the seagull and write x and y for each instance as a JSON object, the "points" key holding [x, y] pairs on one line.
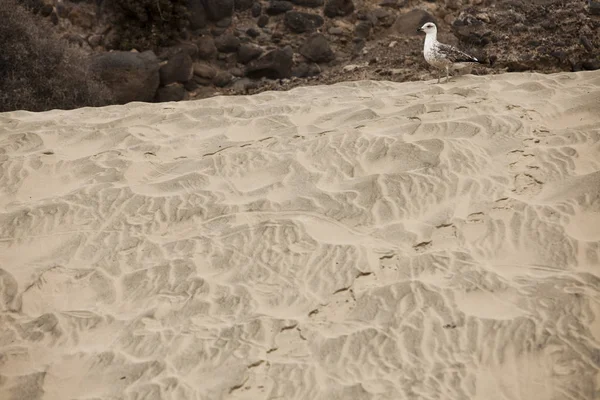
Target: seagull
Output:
{"points": [[440, 55]]}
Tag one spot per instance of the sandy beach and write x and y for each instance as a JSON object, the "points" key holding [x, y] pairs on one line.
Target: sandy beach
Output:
{"points": [[365, 240]]}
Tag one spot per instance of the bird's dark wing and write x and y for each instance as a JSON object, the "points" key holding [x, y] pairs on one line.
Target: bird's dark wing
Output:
{"points": [[454, 55]]}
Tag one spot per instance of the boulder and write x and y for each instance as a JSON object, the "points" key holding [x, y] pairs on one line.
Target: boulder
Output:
{"points": [[173, 92], [46, 10], [363, 29], [179, 68], [277, 7], [186, 47], [253, 32], [224, 23], [393, 3], [222, 79], [256, 10], [95, 40], [237, 72], [243, 5], [591, 65], [305, 70], [262, 21], [300, 22], [338, 8], [79, 16], [308, 3], [204, 71], [216, 10], [317, 49], [206, 48], [197, 14], [276, 64], [227, 43], [408, 23], [471, 30], [243, 85], [248, 52], [191, 85], [130, 76]]}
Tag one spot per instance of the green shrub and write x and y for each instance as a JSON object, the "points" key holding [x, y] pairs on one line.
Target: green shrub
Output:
{"points": [[146, 24], [38, 70]]}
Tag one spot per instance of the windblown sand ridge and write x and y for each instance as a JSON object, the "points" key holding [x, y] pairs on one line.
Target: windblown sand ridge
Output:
{"points": [[366, 240]]}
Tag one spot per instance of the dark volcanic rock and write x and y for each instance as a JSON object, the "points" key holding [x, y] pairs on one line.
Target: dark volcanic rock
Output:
{"points": [[224, 23], [46, 10], [174, 92], [256, 9], [276, 64], [305, 70], [363, 29], [216, 10], [471, 30], [517, 66], [585, 42], [179, 68], [186, 47], [253, 32], [227, 43], [191, 85], [594, 7], [197, 14], [130, 76], [300, 22], [393, 3], [206, 48], [248, 52], [81, 17], [243, 5], [407, 24], [95, 40], [338, 8], [204, 71], [308, 3], [262, 21], [279, 7], [317, 49], [222, 79], [591, 65]]}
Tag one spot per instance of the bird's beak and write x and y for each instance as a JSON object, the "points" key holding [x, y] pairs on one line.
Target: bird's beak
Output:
{"points": [[419, 30]]}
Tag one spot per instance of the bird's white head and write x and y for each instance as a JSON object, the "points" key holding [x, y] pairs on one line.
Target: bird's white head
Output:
{"points": [[428, 28]]}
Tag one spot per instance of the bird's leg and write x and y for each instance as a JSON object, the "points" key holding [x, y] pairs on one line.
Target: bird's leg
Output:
{"points": [[447, 74], [439, 74]]}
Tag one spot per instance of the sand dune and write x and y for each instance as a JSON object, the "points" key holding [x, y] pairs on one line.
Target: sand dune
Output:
{"points": [[366, 240]]}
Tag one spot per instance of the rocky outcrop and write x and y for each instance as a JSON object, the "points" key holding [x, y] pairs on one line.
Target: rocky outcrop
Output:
{"points": [[130, 76], [253, 45]]}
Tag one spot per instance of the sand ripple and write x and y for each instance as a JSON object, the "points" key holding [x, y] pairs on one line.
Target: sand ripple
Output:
{"points": [[366, 240]]}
